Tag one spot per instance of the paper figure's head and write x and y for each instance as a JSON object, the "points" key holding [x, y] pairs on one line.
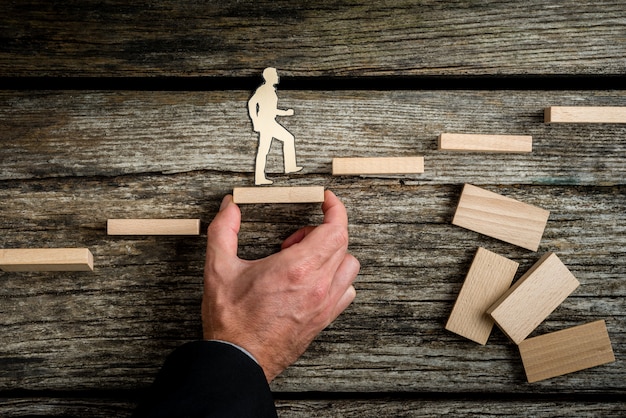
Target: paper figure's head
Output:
{"points": [[270, 75]]}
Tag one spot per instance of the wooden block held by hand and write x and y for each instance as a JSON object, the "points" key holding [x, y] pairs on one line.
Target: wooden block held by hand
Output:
{"points": [[500, 217], [485, 143], [489, 276], [153, 227], [377, 165], [566, 351], [46, 259], [585, 114], [533, 297], [307, 194]]}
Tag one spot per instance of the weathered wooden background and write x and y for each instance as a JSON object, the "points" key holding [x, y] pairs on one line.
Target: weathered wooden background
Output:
{"points": [[87, 344]]}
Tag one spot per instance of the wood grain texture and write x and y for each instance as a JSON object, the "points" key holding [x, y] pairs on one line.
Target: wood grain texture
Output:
{"points": [[112, 330], [489, 276], [87, 133], [153, 226], [566, 351], [585, 114], [500, 217], [69, 160], [485, 143], [533, 297], [426, 406], [46, 259], [345, 166], [358, 38]]}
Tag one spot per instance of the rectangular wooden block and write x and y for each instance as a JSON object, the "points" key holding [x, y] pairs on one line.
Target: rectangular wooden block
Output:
{"points": [[46, 259], [585, 114], [485, 143], [533, 297], [306, 194], [566, 351], [500, 217], [377, 165], [489, 276], [153, 227]]}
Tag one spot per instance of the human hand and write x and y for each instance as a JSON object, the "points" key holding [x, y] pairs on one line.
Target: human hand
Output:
{"points": [[274, 307]]}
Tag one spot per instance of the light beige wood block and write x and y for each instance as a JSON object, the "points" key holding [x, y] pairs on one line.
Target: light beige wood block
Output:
{"points": [[489, 276], [46, 259], [485, 143], [500, 217], [585, 114], [533, 297], [377, 165], [153, 227], [303, 194], [566, 351]]}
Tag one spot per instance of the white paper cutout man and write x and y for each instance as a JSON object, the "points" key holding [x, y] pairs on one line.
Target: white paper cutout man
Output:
{"points": [[263, 109]]}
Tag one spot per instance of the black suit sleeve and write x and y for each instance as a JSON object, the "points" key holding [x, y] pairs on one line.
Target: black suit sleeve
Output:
{"points": [[208, 379]]}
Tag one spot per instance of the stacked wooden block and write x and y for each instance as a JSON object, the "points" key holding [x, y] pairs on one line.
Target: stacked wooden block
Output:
{"points": [[487, 296]]}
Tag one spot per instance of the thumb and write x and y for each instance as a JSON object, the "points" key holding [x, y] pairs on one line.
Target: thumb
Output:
{"points": [[222, 233]]}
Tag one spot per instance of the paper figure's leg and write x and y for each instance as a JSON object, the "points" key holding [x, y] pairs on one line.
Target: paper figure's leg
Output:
{"points": [[289, 151], [265, 142]]}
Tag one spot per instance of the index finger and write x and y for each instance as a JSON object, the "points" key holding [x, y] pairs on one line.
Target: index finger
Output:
{"points": [[328, 242], [334, 211]]}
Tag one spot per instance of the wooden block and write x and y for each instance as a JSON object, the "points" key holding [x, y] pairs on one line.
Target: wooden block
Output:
{"points": [[377, 165], [307, 194], [485, 143], [533, 297], [46, 259], [585, 114], [501, 217], [488, 278], [153, 227], [566, 351]]}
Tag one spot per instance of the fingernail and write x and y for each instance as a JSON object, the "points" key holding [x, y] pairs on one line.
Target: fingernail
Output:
{"points": [[225, 202]]}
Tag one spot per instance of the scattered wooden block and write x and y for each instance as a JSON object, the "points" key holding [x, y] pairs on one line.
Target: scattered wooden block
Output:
{"points": [[566, 351], [533, 297], [488, 278], [377, 165], [485, 143], [153, 227], [500, 217], [307, 194], [585, 114], [46, 259]]}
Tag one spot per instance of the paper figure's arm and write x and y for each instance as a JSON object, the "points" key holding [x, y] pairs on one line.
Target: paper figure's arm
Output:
{"points": [[253, 111], [286, 112]]}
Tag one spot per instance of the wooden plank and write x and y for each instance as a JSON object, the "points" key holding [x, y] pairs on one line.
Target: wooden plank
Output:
{"points": [[475, 404], [75, 405], [328, 38], [500, 217], [46, 259], [533, 297], [488, 278], [153, 227], [377, 165], [566, 351], [144, 296], [485, 143], [328, 404], [65, 127], [585, 114], [295, 194]]}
